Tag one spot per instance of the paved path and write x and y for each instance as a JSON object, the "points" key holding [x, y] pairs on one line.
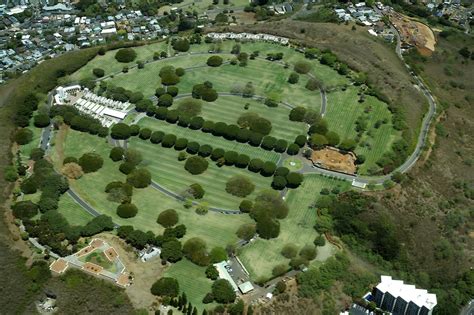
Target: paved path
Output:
{"points": [[307, 168], [42, 248]]}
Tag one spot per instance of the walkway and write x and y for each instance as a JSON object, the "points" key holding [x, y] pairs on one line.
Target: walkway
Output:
{"points": [[307, 169]]}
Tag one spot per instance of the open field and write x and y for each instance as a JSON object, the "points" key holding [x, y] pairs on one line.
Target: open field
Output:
{"points": [[215, 228], [166, 170], [110, 65], [72, 211], [326, 74], [261, 256], [342, 112], [229, 108], [207, 138], [192, 280], [268, 78]]}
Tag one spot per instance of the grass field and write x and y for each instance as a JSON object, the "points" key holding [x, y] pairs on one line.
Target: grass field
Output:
{"points": [[260, 256], [110, 65], [192, 280], [325, 73], [72, 211], [215, 228], [229, 108], [269, 79], [206, 138], [342, 112], [26, 149], [168, 171]]}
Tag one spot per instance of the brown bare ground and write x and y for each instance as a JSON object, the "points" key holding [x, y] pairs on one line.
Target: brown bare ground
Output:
{"points": [[415, 33], [334, 160], [59, 266], [144, 274], [361, 51], [92, 268]]}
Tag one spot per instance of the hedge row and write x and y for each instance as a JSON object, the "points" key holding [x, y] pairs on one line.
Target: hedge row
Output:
{"points": [[230, 132], [79, 121], [229, 158]]}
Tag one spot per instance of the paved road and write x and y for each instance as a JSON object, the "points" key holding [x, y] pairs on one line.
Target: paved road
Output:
{"points": [[87, 207], [308, 169], [176, 196]]}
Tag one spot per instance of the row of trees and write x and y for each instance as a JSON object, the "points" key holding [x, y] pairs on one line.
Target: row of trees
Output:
{"points": [[230, 132], [77, 120], [197, 164]]}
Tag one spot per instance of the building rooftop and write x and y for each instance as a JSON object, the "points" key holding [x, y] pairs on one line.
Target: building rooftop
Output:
{"points": [[407, 292]]}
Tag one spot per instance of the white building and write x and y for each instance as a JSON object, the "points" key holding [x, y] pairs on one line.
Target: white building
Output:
{"points": [[396, 297], [224, 274]]}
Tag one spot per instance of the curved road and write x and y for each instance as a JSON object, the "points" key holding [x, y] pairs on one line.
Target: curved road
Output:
{"points": [[412, 159]]}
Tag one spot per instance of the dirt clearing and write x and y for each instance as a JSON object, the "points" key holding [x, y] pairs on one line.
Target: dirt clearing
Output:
{"points": [[334, 160]]}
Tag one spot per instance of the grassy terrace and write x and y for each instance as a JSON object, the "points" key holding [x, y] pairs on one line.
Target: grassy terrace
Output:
{"points": [[272, 79], [168, 171], [217, 229], [72, 211], [342, 112], [229, 108], [206, 138], [110, 65], [261, 256], [328, 75], [192, 280]]}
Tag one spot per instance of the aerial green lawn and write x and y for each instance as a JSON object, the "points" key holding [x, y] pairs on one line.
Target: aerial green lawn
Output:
{"points": [[343, 110], [72, 211], [268, 78], [147, 80], [329, 76], [228, 109], [25, 149], [192, 280], [261, 256], [207, 138], [108, 63], [216, 229], [167, 171]]}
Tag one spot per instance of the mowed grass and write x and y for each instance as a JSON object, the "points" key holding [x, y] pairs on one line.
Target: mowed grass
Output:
{"points": [[261, 256], [228, 109], [207, 138], [269, 79], [167, 171], [215, 228], [343, 110], [108, 63], [192, 280], [147, 80], [25, 149], [326, 74], [72, 211]]}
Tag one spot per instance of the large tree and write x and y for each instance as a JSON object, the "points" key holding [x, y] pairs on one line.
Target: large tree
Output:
{"points": [[195, 249], [223, 292], [165, 286], [196, 165], [90, 162], [240, 186], [168, 218]]}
